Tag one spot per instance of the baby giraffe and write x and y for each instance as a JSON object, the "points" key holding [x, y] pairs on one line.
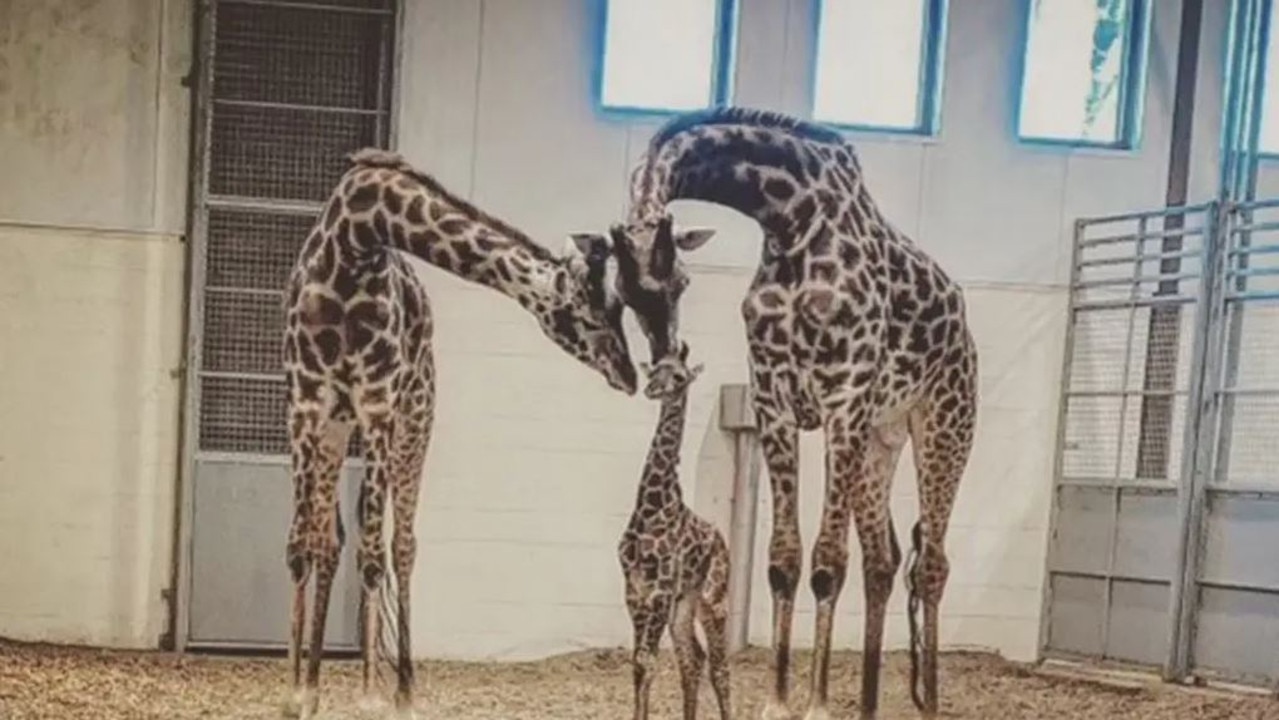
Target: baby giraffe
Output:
{"points": [[675, 563]]}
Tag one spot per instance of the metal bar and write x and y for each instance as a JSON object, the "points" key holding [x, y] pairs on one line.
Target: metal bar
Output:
{"points": [[311, 6], [230, 375], [1063, 416], [1239, 586], [266, 105], [1251, 296], [1254, 226], [1249, 391], [1202, 413], [1137, 279], [1255, 492], [1122, 483], [1255, 250], [289, 207], [1122, 393], [1254, 272], [1153, 256], [1090, 575], [201, 120], [1261, 204], [745, 504], [1126, 303], [1126, 217], [243, 291], [1131, 237]]}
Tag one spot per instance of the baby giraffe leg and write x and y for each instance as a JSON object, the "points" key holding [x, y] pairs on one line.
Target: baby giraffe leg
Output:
{"points": [[648, 620], [688, 652]]}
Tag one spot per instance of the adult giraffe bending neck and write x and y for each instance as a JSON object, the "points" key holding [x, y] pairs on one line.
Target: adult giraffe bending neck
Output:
{"points": [[851, 329], [358, 352]]}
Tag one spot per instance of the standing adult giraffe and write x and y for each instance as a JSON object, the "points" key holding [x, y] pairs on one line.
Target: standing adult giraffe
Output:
{"points": [[358, 352], [851, 329]]}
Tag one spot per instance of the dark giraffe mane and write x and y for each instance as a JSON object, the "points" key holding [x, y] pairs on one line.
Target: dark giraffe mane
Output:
{"points": [[750, 117], [372, 157]]}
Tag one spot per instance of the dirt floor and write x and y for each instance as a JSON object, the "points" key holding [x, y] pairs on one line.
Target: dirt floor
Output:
{"points": [[70, 684]]}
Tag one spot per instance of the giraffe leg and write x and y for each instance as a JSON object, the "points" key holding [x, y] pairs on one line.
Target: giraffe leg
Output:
{"points": [[372, 556], [648, 620], [712, 613], [299, 562], [406, 480], [688, 653], [314, 527], [941, 436], [881, 555], [780, 444], [328, 551]]}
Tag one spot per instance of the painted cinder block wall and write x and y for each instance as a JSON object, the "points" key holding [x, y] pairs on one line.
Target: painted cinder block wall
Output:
{"points": [[534, 460]]}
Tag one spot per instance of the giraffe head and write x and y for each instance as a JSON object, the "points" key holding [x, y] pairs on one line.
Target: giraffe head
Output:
{"points": [[585, 318], [669, 380], [650, 280]]}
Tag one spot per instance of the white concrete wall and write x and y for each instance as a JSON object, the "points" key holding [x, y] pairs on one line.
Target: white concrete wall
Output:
{"points": [[528, 489], [93, 129]]}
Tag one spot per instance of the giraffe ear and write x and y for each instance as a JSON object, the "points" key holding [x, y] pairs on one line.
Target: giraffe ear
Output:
{"points": [[588, 243], [662, 260], [692, 238]]}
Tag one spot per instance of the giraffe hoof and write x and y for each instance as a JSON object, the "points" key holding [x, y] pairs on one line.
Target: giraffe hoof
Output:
{"points": [[817, 712], [775, 710], [371, 703]]}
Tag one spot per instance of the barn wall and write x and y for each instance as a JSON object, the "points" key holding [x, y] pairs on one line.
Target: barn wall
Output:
{"points": [[93, 127]]}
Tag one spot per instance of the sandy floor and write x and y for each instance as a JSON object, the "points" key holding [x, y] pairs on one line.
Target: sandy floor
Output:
{"points": [[44, 682]]}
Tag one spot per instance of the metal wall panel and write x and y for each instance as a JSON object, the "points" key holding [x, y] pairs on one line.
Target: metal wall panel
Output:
{"points": [[1172, 568], [1113, 558], [285, 90], [241, 591]]}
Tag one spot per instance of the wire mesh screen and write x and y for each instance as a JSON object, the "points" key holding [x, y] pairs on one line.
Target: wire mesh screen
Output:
{"points": [[1137, 280], [1249, 380], [293, 87]]}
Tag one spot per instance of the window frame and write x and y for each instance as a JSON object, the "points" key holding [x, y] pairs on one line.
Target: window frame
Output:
{"points": [[929, 84], [1271, 75], [1134, 78], [723, 64]]}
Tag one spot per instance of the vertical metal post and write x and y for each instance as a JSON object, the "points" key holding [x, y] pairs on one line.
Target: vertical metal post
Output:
{"points": [[1164, 327], [737, 417], [1063, 415], [1197, 456], [205, 19]]}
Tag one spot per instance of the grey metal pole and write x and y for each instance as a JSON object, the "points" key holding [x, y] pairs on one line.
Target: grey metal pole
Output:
{"points": [[737, 418]]}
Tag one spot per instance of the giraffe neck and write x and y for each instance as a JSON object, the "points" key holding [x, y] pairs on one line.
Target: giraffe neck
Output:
{"points": [[412, 212], [660, 485], [781, 176]]}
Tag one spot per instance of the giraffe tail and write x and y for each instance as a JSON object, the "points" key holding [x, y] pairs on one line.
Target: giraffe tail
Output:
{"points": [[912, 614], [388, 640]]}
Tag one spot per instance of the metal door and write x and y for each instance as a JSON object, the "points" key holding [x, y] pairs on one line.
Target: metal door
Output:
{"points": [[1130, 376], [1231, 623], [285, 90]]}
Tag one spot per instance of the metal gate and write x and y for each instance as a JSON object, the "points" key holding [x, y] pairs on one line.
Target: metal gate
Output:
{"points": [[1166, 495], [285, 89]]}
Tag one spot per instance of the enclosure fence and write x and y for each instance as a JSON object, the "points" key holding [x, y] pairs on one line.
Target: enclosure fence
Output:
{"points": [[1166, 489]]}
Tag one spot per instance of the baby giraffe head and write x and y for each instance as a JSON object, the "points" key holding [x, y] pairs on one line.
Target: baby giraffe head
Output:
{"points": [[671, 377]]}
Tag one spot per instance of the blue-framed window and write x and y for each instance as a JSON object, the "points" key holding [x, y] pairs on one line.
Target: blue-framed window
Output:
{"points": [[1083, 72], [666, 56], [1268, 140], [878, 64]]}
